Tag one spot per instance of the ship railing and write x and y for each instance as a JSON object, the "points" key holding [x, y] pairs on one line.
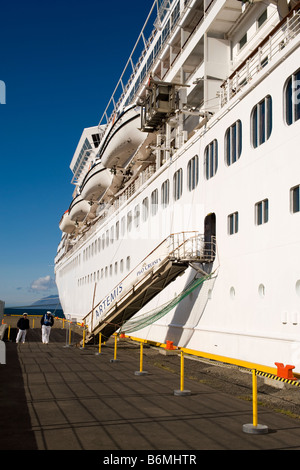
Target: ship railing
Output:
{"points": [[144, 66], [192, 248], [264, 54], [178, 248]]}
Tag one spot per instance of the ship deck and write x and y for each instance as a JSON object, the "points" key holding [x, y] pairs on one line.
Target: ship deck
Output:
{"points": [[58, 397]]}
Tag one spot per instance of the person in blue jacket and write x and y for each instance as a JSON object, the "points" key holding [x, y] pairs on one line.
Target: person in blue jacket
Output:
{"points": [[47, 321]]}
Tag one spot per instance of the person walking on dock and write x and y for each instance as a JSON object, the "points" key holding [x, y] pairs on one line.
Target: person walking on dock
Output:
{"points": [[23, 325], [47, 322]]}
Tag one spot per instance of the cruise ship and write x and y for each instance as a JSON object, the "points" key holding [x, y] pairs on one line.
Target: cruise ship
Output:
{"points": [[184, 219]]}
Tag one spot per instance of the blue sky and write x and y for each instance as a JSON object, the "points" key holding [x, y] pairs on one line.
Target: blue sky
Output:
{"points": [[60, 62]]}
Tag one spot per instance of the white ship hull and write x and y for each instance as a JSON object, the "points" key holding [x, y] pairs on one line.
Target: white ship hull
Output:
{"points": [[247, 310]]}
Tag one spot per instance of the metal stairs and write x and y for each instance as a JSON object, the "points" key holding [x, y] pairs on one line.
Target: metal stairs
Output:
{"points": [[162, 266]]}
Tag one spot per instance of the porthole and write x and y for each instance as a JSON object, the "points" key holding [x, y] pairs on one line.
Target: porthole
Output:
{"points": [[232, 293], [261, 291]]}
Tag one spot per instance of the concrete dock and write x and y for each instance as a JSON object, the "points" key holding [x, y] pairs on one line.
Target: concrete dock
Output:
{"points": [[60, 397]]}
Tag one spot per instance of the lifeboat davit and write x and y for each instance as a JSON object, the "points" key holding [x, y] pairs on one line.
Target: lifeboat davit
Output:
{"points": [[79, 209], [123, 139], [95, 183], [67, 225]]}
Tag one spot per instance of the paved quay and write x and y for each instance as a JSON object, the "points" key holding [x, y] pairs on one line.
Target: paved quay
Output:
{"points": [[54, 397]]}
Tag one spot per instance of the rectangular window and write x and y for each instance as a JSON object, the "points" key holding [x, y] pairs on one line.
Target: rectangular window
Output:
{"points": [[243, 41], [233, 143], [292, 98], [112, 236], [136, 216], [211, 159], [177, 184], [233, 223], [262, 212], [145, 209], [193, 173], [154, 202], [165, 194], [261, 20], [295, 199], [129, 221], [262, 121]]}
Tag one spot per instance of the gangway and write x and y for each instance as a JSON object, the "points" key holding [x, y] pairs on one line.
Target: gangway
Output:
{"points": [[162, 266]]}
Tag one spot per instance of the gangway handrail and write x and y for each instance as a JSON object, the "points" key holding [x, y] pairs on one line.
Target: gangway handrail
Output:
{"points": [[134, 269], [182, 240]]}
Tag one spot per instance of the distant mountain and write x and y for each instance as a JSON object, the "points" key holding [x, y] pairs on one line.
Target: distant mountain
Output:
{"points": [[48, 302]]}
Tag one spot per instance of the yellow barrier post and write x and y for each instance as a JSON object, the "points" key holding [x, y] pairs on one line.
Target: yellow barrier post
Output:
{"points": [[99, 351], [141, 371], [115, 350], [8, 334], [182, 392], [255, 428]]}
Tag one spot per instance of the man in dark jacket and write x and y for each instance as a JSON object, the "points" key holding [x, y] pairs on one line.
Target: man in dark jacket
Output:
{"points": [[23, 325], [47, 322]]}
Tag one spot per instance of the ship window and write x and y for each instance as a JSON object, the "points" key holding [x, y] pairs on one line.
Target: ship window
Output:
{"points": [[137, 216], [292, 98], [262, 212], [233, 143], [233, 223], [128, 263], [103, 242], [193, 173], [211, 159], [112, 237], [129, 221], [123, 226], [295, 199], [262, 19], [107, 237], [121, 265], [145, 209], [96, 140], [154, 202], [262, 121], [243, 41], [117, 230], [177, 184], [165, 193]]}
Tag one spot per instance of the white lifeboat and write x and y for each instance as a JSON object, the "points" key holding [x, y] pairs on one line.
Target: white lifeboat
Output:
{"points": [[123, 139], [66, 225], [79, 209], [95, 183]]}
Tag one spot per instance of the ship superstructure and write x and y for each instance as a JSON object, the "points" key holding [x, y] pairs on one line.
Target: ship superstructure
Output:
{"points": [[185, 219]]}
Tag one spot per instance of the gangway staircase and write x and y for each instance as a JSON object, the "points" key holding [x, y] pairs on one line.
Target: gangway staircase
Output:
{"points": [[162, 266]]}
